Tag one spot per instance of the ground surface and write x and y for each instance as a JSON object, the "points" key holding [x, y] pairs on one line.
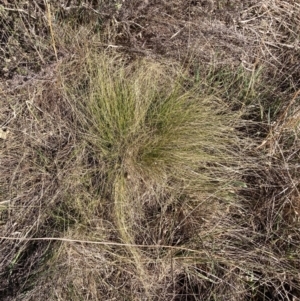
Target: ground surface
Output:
{"points": [[82, 219]]}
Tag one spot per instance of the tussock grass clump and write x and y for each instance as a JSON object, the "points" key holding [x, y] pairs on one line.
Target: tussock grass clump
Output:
{"points": [[140, 120]]}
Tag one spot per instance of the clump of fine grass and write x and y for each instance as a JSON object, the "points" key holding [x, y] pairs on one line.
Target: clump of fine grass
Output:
{"points": [[149, 123]]}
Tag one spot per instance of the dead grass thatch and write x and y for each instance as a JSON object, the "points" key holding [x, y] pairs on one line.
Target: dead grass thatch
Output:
{"points": [[125, 176]]}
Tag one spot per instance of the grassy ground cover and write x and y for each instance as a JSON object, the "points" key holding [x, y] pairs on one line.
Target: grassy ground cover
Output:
{"points": [[137, 164]]}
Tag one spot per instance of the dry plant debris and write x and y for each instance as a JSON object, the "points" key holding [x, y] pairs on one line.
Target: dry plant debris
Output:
{"points": [[149, 150]]}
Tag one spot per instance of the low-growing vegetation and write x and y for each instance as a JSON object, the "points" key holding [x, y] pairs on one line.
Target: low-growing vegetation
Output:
{"points": [[133, 170]]}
